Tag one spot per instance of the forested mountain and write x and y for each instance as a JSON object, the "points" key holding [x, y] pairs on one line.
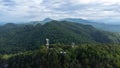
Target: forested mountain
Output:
{"points": [[23, 46], [98, 25], [15, 38]]}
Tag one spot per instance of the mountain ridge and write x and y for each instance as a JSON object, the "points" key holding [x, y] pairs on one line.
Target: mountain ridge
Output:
{"points": [[98, 25], [29, 37]]}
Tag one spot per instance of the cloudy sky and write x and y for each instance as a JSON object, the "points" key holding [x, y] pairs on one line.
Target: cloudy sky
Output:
{"points": [[30, 10]]}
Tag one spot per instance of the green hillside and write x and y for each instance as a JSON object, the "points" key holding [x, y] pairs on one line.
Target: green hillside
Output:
{"points": [[16, 38]]}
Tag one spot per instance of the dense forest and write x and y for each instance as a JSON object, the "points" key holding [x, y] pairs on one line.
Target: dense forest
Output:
{"points": [[66, 56], [23, 46], [16, 38]]}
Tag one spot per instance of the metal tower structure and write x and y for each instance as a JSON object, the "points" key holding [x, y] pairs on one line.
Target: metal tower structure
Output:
{"points": [[47, 43]]}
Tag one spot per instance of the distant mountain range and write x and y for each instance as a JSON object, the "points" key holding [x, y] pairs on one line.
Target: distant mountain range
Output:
{"points": [[98, 25], [41, 22]]}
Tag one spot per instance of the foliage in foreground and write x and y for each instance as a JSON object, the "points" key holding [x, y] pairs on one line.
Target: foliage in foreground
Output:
{"points": [[65, 56]]}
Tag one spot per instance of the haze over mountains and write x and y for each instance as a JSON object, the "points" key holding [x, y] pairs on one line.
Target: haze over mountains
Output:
{"points": [[98, 25]]}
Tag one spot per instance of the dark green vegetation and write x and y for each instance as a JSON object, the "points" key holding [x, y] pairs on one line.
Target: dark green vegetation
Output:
{"points": [[22, 46], [16, 38], [80, 56]]}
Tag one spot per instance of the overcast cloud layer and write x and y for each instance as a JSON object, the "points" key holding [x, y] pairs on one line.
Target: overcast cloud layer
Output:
{"points": [[29, 10]]}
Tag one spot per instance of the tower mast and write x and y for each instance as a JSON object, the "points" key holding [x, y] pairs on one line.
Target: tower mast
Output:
{"points": [[47, 43]]}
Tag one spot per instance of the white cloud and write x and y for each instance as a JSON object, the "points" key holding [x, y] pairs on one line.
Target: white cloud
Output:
{"points": [[83, 1], [26, 10], [106, 2], [110, 2]]}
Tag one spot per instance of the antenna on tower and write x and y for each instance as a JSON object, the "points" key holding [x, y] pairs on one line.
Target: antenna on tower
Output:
{"points": [[47, 43], [73, 44]]}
